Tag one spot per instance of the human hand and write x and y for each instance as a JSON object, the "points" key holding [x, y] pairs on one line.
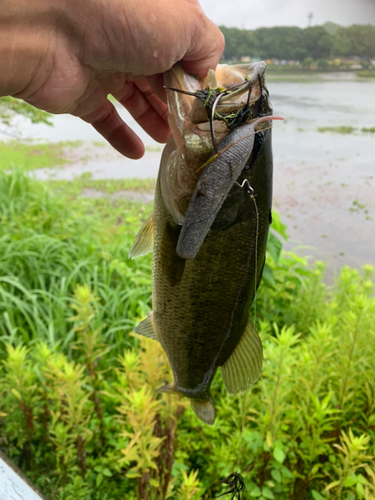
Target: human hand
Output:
{"points": [[67, 56]]}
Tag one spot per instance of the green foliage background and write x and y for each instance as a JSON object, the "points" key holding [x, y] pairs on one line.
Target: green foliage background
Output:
{"points": [[78, 411], [293, 43], [78, 408]]}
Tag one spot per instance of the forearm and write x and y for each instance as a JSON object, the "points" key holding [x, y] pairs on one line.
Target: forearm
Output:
{"points": [[25, 42], [129, 36], [66, 56]]}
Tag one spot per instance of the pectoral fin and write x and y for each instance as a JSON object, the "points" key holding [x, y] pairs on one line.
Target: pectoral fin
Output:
{"points": [[243, 367], [146, 328], [144, 240]]}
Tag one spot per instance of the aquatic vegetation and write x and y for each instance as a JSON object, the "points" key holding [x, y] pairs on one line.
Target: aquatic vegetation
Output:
{"points": [[78, 412], [32, 155], [338, 130], [368, 73], [346, 129], [105, 186]]}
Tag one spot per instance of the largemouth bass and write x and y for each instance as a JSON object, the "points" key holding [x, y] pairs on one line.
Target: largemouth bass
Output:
{"points": [[201, 303]]}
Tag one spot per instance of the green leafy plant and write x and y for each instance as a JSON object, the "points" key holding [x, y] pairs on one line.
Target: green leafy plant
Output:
{"points": [[78, 408]]}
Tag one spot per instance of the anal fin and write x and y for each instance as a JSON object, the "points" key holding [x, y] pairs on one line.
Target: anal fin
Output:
{"points": [[244, 366], [146, 328], [144, 240]]}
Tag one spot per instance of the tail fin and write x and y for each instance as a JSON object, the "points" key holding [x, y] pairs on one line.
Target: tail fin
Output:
{"points": [[204, 410]]}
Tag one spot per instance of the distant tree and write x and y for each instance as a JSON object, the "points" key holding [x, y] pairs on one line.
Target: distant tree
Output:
{"points": [[317, 42], [331, 27], [299, 54], [307, 62], [238, 43], [356, 40], [322, 63], [278, 42], [291, 42]]}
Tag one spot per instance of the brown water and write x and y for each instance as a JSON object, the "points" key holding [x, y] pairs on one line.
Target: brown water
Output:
{"points": [[324, 183]]}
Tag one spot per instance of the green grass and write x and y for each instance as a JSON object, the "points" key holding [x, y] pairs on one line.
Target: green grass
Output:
{"points": [[10, 106], [33, 155], [51, 242], [108, 186], [344, 129], [366, 73]]}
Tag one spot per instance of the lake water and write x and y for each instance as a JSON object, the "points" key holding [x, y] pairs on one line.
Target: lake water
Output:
{"points": [[323, 182]]}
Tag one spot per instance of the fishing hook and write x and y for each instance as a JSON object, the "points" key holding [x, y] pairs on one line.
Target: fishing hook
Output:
{"points": [[246, 185], [214, 143], [242, 113]]}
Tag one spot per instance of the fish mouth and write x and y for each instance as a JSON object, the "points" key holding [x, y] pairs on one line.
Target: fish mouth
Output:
{"points": [[233, 82]]}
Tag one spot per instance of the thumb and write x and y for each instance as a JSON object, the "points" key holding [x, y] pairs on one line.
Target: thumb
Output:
{"points": [[205, 50]]}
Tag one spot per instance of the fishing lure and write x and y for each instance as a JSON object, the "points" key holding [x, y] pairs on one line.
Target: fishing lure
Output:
{"points": [[235, 484]]}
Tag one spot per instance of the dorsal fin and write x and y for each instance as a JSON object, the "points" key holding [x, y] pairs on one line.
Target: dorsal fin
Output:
{"points": [[243, 367], [144, 240]]}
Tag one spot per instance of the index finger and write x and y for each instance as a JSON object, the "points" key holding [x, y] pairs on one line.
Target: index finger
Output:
{"points": [[146, 108]]}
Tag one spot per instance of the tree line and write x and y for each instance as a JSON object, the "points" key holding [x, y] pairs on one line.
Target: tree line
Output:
{"points": [[293, 43]]}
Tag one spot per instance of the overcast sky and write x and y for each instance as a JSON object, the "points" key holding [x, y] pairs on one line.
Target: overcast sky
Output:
{"points": [[251, 14]]}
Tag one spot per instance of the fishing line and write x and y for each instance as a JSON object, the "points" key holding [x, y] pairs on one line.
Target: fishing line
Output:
{"points": [[256, 258], [250, 191], [244, 401]]}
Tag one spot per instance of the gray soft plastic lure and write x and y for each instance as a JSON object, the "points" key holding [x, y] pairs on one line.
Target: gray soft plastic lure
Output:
{"points": [[214, 184]]}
